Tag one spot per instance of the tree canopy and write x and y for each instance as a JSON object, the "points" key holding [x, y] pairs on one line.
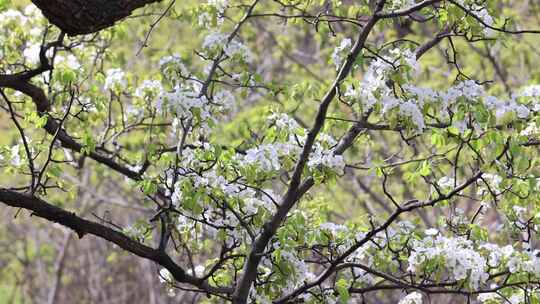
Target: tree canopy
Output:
{"points": [[284, 151]]}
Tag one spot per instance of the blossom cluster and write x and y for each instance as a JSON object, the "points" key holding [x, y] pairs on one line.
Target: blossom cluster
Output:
{"points": [[466, 260], [337, 55], [375, 93], [268, 157], [216, 41]]}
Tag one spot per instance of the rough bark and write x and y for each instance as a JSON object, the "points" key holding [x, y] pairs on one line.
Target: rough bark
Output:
{"points": [[76, 17]]}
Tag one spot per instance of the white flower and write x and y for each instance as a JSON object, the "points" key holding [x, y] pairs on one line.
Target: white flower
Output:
{"points": [[514, 264], [411, 110], [32, 11], [15, 157], [220, 5], [507, 251], [521, 111], [265, 156], [492, 102], [235, 47], [214, 39], [31, 53], [174, 62], [461, 125], [165, 276], [12, 15], [490, 297], [423, 94], [517, 298], [148, 87], [531, 91], [530, 130], [432, 232], [68, 61], [177, 194], [300, 268], [326, 158], [496, 254], [407, 58], [283, 121], [520, 212], [486, 18], [219, 41], [446, 182], [412, 298], [199, 271], [115, 78], [337, 54], [460, 258], [225, 99], [204, 19], [406, 226], [182, 100], [389, 102], [493, 181], [333, 228]]}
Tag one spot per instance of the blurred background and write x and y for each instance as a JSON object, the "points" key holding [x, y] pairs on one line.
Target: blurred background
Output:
{"points": [[45, 263]]}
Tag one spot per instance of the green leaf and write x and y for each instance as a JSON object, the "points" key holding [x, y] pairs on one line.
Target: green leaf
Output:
{"points": [[4, 4], [425, 169], [438, 139], [67, 76], [343, 290], [149, 187]]}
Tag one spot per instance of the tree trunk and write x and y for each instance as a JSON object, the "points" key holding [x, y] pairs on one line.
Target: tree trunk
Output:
{"points": [[77, 17]]}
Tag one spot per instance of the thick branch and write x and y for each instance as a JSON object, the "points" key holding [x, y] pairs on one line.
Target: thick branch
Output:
{"points": [[43, 106], [295, 189], [81, 226], [77, 17], [369, 235]]}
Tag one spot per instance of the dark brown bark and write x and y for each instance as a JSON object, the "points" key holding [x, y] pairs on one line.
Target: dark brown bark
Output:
{"points": [[77, 17], [81, 226]]}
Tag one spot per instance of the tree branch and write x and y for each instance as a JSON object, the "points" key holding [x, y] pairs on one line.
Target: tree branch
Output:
{"points": [[296, 189], [52, 127], [82, 227], [76, 17]]}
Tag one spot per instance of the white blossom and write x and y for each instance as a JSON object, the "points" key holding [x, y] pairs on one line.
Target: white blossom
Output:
{"points": [[182, 100], [220, 41], [115, 78], [15, 157], [530, 130], [333, 228], [461, 125], [326, 158], [12, 15], [300, 268], [165, 276], [197, 271], [431, 232], [148, 87], [266, 156], [337, 55], [69, 61], [31, 53], [284, 121], [411, 110], [446, 182], [459, 256], [489, 297], [412, 298], [220, 5], [531, 91], [224, 98]]}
